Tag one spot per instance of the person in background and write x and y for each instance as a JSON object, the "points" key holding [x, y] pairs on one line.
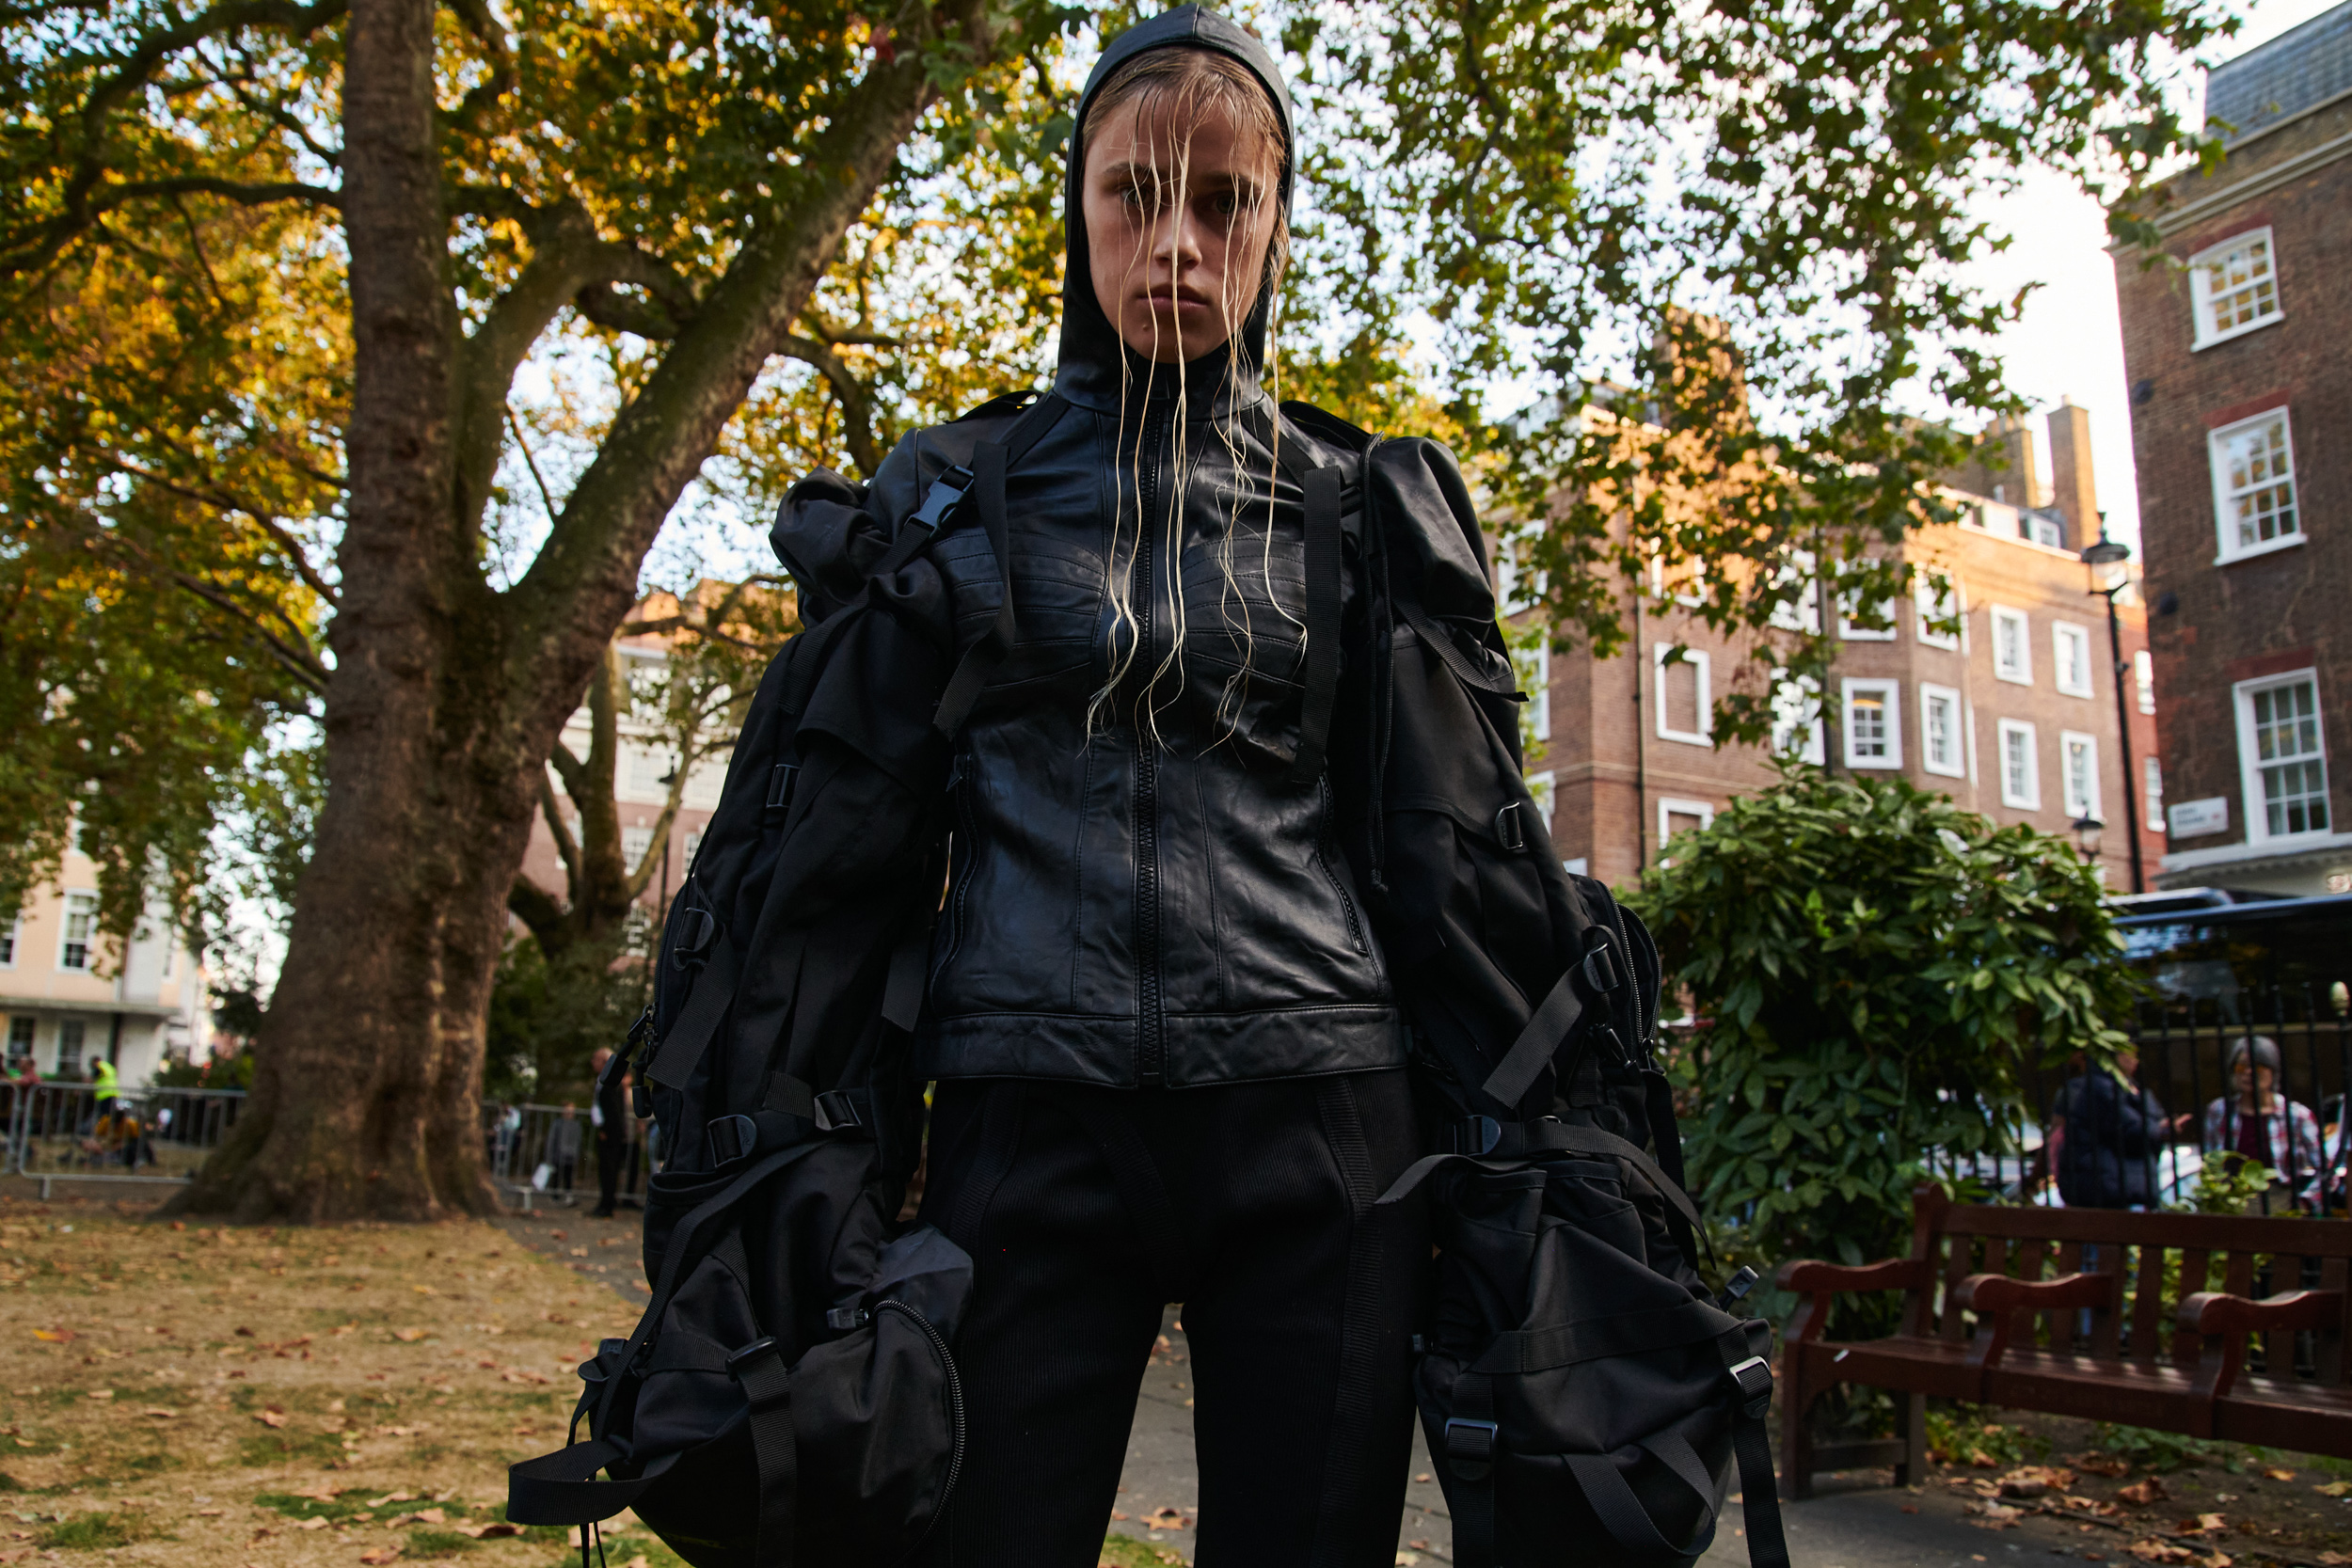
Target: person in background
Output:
{"points": [[563, 1152], [608, 1113], [104, 1085], [2106, 1133], [2258, 1123]]}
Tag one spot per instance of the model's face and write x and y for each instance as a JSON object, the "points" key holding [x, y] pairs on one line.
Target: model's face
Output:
{"points": [[1180, 208]]}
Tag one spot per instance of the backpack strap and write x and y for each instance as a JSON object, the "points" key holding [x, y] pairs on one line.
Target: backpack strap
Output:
{"points": [[1472, 1443], [1751, 1377], [1326, 588], [990, 462]]}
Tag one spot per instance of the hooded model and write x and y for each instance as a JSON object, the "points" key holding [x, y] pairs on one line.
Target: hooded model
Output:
{"points": [[1169, 1056]]}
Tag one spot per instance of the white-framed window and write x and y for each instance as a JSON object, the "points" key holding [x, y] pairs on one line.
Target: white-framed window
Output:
{"points": [[1935, 597], [1682, 816], [1578, 865], [647, 769], [2079, 769], [2144, 678], [2012, 645], [2253, 486], [20, 1040], [1802, 609], [1850, 616], [1686, 710], [1518, 588], [635, 842], [2235, 286], [2070, 650], [71, 1032], [703, 784], [2021, 767], [2152, 788], [1544, 788], [77, 939], [1873, 724], [2043, 528], [1797, 719], [1942, 747], [1534, 669], [1684, 583], [2283, 753]]}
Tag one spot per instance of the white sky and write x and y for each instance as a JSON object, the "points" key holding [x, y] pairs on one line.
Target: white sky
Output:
{"points": [[2070, 342]]}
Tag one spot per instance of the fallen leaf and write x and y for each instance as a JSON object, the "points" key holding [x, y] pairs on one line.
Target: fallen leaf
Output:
{"points": [[272, 1417], [637, 1561], [2032, 1480], [408, 1335], [1910, 1508], [2153, 1550], [243, 1332], [2101, 1465], [374, 1555], [1425, 1477], [56, 1335], [394, 1497], [1166, 1518], [210, 1512], [2278, 1475], [158, 1410], [490, 1531], [2335, 1489], [1993, 1515], [2332, 1560], [315, 1522], [2141, 1493], [100, 1394]]}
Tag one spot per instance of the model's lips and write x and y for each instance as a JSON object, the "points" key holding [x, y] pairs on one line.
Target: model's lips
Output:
{"points": [[1163, 302]]}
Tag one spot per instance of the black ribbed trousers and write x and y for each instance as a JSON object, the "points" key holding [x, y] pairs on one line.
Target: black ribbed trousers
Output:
{"points": [[1086, 1212]]}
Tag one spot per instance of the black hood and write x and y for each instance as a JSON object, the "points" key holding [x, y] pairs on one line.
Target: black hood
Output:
{"points": [[1091, 360]]}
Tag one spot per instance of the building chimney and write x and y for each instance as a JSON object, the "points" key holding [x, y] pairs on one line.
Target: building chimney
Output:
{"points": [[2070, 473]]}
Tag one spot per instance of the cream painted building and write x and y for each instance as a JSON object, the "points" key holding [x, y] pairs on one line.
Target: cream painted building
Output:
{"points": [[72, 997]]}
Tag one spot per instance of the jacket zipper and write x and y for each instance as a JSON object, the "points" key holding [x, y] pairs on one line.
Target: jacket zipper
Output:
{"points": [[1151, 1042], [966, 847], [1324, 839]]}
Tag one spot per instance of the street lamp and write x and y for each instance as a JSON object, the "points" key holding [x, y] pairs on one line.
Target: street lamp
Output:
{"points": [[2087, 831], [2104, 562]]}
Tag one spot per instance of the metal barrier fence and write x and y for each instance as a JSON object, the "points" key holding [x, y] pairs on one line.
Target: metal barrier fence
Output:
{"points": [[2254, 1075], [66, 1132], [549, 1153]]}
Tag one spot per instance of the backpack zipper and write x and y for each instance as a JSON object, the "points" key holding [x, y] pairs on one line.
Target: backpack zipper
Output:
{"points": [[1151, 1041], [955, 1402]]}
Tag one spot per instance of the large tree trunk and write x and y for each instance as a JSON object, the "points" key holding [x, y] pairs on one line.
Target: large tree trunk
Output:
{"points": [[447, 697]]}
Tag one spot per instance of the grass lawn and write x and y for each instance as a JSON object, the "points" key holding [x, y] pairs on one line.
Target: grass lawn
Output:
{"points": [[193, 1395]]}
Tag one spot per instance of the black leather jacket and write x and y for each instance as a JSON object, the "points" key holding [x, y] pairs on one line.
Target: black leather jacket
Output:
{"points": [[1139, 894]]}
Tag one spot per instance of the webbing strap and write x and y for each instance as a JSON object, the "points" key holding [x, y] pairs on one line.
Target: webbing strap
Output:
{"points": [[690, 1036], [1546, 1028], [1472, 1448], [1554, 1137], [1324, 589], [990, 462], [563, 1487], [1503, 683], [775, 1446], [1767, 1546]]}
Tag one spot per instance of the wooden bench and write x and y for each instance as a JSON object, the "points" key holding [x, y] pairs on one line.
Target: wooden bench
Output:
{"points": [[1995, 1304]]}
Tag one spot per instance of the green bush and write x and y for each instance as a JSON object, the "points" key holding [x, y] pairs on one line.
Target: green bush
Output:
{"points": [[1871, 970]]}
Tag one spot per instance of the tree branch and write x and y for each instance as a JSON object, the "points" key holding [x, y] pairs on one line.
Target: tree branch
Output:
{"points": [[225, 501], [857, 403]]}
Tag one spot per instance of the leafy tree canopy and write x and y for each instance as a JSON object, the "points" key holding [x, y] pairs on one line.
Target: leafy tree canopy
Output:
{"points": [[1872, 971]]}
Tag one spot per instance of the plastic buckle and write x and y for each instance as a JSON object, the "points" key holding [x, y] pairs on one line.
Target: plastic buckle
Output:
{"points": [[843, 1319], [696, 928], [1601, 970], [1469, 1447], [731, 1138], [835, 1111], [1508, 831], [1753, 1379], [763, 1346], [1477, 1135], [940, 499], [782, 778]]}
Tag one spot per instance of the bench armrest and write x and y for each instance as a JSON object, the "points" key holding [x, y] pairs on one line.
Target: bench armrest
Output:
{"points": [[1810, 1277], [1817, 1281], [1996, 1299], [1985, 1293], [2226, 1320], [2219, 1312]]}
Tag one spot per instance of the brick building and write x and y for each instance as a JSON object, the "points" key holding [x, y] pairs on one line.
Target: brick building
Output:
{"points": [[2235, 345], [2013, 714]]}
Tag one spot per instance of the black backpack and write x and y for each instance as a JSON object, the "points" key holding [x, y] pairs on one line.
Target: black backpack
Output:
{"points": [[1584, 1397], [790, 1392]]}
